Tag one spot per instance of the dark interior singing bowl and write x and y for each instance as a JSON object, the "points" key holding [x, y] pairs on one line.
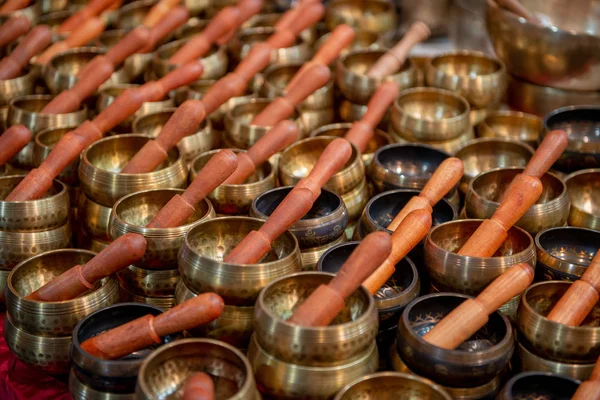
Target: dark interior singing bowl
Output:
{"points": [[538, 385]]}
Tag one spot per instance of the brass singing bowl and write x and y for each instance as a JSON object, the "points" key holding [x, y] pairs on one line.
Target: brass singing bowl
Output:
{"points": [[239, 46], [430, 114], [390, 385], [312, 255], [564, 253], [191, 28], [111, 37], [238, 128], [204, 139], [362, 15], [450, 271], [80, 391], [20, 86], [480, 79], [44, 142], [314, 119], [101, 162], [214, 61], [352, 112], [234, 326], [363, 40], [202, 267], [511, 125], [236, 199], [298, 159], [448, 146], [61, 72], [115, 376], [356, 86], [56, 318], [584, 193], [132, 15], [164, 303], [165, 371], [133, 212], [269, 19], [538, 385], [93, 218], [154, 283]]}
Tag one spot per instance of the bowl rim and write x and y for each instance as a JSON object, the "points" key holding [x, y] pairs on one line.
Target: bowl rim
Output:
{"points": [[204, 125], [464, 114], [499, 72], [541, 248], [568, 109], [575, 175], [53, 198], [508, 387], [347, 72], [377, 163], [82, 109], [38, 140]]}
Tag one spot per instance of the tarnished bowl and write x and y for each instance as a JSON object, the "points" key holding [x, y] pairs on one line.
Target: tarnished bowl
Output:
{"points": [[356, 86], [101, 162], [93, 219], [53, 318], [20, 86], [538, 385], [113, 376], [511, 125], [481, 155], [133, 212], [132, 15], [324, 222], [164, 372], [362, 15], [476, 362], [44, 143], [480, 79], [236, 199], [240, 45], [214, 61], [450, 271], [392, 385], [564, 253], [202, 269], [298, 159], [584, 193], [191, 146], [550, 210]]}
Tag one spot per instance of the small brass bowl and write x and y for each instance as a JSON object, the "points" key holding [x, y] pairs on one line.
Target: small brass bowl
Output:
{"points": [[240, 45], [363, 40], [323, 223], [450, 271], [132, 15], [116, 376], [480, 79], [165, 371], [512, 125], [584, 193], [235, 325], [202, 269], [101, 162], [236, 199], [430, 114], [313, 119], [564, 253], [164, 303], [55, 318], [550, 210], [191, 28], [111, 37], [312, 255], [61, 72], [448, 146], [214, 61], [94, 218], [352, 112], [362, 15], [355, 201], [49, 354], [156, 283], [191, 146], [481, 155], [397, 385], [356, 86], [81, 391], [538, 385], [238, 128], [380, 138], [44, 143], [475, 362], [131, 214], [20, 86], [298, 159]]}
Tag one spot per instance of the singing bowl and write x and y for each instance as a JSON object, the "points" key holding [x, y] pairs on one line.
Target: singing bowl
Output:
{"points": [[202, 267], [239, 46], [323, 223], [564, 253], [238, 128], [379, 139], [120, 375], [475, 362], [234, 326], [44, 142], [164, 303], [203, 140], [448, 146], [101, 162], [149, 282], [55, 318], [362, 15], [485, 154], [314, 119], [165, 371], [269, 19], [81, 391], [363, 40], [352, 112], [230, 199], [450, 271], [511, 125], [20, 86], [93, 218], [550, 210], [582, 124], [132, 15], [298, 159], [191, 28], [402, 288], [51, 211], [312, 255], [584, 193], [61, 72], [111, 37], [351, 74], [214, 61], [480, 79], [538, 385], [392, 385]]}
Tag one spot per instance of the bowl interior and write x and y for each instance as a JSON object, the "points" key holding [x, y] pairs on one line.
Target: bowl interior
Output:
{"points": [[523, 127], [413, 161], [392, 387], [152, 124], [541, 386], [8, 183], [584, 192], [325, 205], [34, 104], [384, 208], [468, 65], [575, 246], [72, 62], [485, 155], [430, 105], [50, 137], [581, 124], [244, 113], [280, 76], [262, 172], [360, 62], [298, 160], [493, 184]]}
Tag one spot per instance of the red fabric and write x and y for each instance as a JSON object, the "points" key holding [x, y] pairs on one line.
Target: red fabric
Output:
{"points": [[21, 382]]}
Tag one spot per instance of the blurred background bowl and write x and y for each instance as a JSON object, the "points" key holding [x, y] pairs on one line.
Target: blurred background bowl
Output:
{"points": [[584, 193]]}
